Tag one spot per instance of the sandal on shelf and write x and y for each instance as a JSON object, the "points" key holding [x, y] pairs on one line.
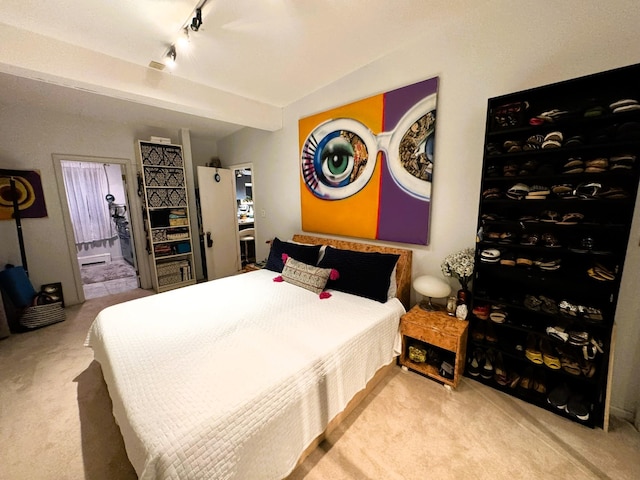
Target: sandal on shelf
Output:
{"points": [[587, 368], [539, 383], [532, 352], [570, 365], [579, 338], [571, 219], [514, 380], [558, 333], [481, 311], [549, 356], [500, 373], [498, 315], [530, 239], [549, 216], [490, 334], [526, 382], [532, 303], [478, 332]]}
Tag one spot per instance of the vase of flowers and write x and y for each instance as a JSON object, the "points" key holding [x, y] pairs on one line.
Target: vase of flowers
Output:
{"points": [[460, 266]]}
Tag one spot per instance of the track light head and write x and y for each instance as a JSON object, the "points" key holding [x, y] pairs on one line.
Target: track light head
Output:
{"points": [[196, 22], [171, 57], [183, 39]]}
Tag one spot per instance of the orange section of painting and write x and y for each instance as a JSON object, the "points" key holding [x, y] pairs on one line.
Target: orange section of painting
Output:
{"points": [[355, 216]]}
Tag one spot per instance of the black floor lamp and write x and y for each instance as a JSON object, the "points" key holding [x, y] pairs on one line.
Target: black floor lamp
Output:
{"points": [[13, 193]]}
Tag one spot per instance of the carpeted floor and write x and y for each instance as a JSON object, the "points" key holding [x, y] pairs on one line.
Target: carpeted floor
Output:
{"points": [[56, 422], [110, 271]]}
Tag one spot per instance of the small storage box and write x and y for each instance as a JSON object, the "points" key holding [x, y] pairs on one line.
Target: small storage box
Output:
{"points": [[41, 315]]}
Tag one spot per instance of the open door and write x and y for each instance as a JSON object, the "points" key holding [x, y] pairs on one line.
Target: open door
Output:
{"points": [[219, 221]]}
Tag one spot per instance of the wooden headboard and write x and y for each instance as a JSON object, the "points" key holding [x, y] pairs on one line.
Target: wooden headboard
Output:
{"points": [[403, 267]]}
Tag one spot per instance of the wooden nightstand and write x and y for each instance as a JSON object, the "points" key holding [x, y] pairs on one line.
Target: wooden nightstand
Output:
{"points": [[434, 329]]}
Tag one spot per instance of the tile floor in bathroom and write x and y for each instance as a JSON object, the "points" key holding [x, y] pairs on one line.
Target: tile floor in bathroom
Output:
{"points": [[95, 290]]}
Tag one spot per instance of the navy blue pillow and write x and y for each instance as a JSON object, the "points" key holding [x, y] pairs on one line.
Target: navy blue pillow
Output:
{"points": [[366, 274], [303, 253]]}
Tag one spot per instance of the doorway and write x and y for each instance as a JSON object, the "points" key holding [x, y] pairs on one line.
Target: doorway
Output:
{"points": [[243, 176], [97, 210]]}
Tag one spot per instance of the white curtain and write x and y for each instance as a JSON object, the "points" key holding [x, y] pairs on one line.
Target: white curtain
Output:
{"points": [[87, 185]]}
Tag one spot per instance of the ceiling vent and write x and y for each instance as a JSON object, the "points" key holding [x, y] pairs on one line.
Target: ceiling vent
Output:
{"points": [[156, 65]]}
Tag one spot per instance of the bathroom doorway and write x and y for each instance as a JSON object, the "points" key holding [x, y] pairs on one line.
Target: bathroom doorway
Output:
{"points": [[97, 210], [243, 175]]}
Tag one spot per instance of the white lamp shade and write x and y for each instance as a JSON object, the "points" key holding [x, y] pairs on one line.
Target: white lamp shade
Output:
{"points": [[432, 287]]}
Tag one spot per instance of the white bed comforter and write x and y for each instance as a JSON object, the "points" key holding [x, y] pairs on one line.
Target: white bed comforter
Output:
{"points": [[234, 378]]}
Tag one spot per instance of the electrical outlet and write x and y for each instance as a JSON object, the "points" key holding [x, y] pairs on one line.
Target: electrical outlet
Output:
{"points": [[263, 213]]}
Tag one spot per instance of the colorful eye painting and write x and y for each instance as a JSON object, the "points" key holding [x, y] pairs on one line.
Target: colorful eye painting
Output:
{"points": [[366, 167]]}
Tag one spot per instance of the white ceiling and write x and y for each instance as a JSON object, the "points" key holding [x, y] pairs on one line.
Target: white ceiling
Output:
{"points": [[269, 52]]}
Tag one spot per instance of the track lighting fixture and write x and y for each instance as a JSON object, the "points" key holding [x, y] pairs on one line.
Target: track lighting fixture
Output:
{"points": [[171, 57], [184, 39], [196, 22]]}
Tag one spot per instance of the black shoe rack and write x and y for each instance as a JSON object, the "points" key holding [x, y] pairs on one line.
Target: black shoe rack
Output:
{"points": [[559, 184]]}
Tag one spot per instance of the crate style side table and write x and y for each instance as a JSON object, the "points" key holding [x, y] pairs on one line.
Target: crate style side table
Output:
{"points": [[427, 329]]}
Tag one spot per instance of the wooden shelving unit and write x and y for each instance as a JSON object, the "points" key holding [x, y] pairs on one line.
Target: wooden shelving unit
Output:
{"points": [[166, 214]]}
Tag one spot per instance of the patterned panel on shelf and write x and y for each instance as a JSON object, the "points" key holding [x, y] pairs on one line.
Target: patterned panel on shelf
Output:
{"points": [[174, 177], [172, 156], [154, 177], [166, 197], [178, 197], [151, 154]]}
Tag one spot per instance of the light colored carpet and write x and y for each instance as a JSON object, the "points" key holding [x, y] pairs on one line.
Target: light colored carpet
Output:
{"points": [[56, 422]]}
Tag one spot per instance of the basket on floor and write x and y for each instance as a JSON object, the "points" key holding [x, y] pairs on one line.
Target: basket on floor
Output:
{"points": [[41, 315]]}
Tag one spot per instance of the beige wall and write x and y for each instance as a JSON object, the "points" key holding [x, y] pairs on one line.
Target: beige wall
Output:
{"points": [[501, 50], [28, 138]]}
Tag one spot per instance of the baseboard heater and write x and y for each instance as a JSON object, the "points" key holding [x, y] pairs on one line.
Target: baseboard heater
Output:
{"points": [[100, 259]]}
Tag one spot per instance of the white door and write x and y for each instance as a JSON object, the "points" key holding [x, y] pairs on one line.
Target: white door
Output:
{"points": [[219, 221]]}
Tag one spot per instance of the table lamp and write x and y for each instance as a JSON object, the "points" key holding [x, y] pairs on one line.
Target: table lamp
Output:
{"points": [[431, 287]]}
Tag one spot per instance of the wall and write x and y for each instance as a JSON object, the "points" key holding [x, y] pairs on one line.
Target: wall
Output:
{"points": [[28, 138], [494, 51]]}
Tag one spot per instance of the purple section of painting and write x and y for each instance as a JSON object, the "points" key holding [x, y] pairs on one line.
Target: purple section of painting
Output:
{"points": [[402, 218]]}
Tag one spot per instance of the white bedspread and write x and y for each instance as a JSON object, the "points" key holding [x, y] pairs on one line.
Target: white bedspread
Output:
{"points": [[234, 378]]}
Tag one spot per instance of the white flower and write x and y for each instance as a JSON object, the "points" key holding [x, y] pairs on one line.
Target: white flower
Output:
{"points": [[459, 265]]}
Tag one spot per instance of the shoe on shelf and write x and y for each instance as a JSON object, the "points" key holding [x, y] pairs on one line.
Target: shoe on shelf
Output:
{"points": [[549, 355], [559, 397], [487, 369], [539, 382], [500, 376], [531, 351], [577, 407], [476, 363]]}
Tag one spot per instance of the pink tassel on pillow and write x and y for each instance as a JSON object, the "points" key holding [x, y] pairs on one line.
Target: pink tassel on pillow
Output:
{"points": [[324, 295], [284, 257], [278, 279], [334, 275]]}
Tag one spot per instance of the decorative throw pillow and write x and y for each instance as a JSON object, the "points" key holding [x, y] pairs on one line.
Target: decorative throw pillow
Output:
{"points": [[366, 274], [304, 253], [306, 276]]}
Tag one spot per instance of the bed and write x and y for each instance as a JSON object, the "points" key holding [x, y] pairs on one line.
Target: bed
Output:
{"points": [[241, 377]]}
